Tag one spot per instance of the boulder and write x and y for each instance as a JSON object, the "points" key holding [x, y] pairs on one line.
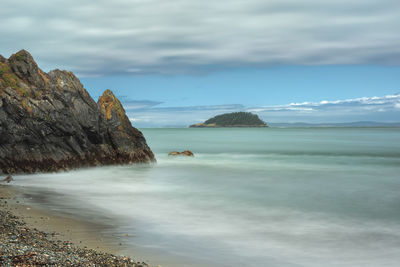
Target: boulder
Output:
{"points": [[187, 153]]}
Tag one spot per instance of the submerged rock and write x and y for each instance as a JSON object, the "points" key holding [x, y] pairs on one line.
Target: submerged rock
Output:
{"points": [[49, 122], [183, 153]]}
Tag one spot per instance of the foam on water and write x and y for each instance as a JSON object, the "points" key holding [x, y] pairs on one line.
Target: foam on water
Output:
{"points": [[249, 197]]}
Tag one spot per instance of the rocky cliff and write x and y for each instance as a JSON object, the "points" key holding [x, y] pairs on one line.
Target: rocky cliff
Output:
{"points": [[49, 122]]}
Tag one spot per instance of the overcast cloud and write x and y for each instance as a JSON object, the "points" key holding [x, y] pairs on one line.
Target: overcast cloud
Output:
{"points": [[189, 36]]}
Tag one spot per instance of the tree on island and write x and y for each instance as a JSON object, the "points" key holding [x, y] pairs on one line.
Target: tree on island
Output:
{"points": [[234, 119]]}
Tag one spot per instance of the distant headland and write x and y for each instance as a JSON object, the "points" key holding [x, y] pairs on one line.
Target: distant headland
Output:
{"points": [[234, 119]]}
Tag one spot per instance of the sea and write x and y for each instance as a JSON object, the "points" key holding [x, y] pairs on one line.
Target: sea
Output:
{"points": [[249, 197]]}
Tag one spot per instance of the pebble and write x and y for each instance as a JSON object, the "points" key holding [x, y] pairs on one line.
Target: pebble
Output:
{"points": [[22, 246]]}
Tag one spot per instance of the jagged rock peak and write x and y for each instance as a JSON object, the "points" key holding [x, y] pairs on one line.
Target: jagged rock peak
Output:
{"points": [[66, 81], [108, 103], [115, 116], [25, 67], [110, 106], [23, 55], [49, 122]]}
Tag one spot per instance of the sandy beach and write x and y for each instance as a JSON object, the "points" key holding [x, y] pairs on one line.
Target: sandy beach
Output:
{"points": [[31, 237]]}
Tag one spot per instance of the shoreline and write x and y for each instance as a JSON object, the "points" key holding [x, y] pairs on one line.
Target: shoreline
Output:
{"points": [[41, 233]]}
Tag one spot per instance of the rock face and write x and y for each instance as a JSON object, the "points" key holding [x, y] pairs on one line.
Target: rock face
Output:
{"points": [[49, 122], [234, 119]]}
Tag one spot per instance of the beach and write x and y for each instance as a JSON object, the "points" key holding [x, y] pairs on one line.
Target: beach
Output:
{"points": [[31, 237]]}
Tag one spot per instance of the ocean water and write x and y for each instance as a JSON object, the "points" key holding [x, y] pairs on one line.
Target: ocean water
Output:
{"points": [[249, 197]]}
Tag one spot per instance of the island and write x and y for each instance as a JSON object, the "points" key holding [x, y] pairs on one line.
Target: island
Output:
{"points": [[234, 119], [49, 122]]}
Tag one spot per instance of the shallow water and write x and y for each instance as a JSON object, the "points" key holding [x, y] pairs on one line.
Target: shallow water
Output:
{"points": [[249, 197]]}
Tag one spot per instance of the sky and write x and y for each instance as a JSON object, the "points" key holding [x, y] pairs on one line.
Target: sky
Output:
{"points": [[178, 62]]}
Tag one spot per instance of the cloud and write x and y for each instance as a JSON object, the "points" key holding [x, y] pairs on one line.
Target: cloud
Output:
{"points": [[376, 108], [139, 104], [382, 103], [177, 116], [189, 36], [280, 108], [375, 100], [379, 108]]}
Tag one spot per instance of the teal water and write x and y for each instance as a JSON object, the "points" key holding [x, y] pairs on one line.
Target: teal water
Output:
{"points": [[249, 197]]}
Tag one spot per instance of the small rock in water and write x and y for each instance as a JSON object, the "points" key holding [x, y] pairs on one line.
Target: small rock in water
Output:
{"points": [[188, 153], [183, 153]]}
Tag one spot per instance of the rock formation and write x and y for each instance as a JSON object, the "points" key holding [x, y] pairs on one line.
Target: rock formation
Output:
{"points": [[183, 153], [49, 122]]}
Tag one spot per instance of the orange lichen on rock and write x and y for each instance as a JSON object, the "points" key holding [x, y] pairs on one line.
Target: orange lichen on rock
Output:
{"points": [[43, 75], [110, 104]]}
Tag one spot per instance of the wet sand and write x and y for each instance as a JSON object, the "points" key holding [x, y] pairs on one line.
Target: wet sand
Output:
{"points": [[51, 230]]}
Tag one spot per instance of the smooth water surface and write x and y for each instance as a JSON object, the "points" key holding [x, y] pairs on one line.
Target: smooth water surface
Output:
{"points": [[249, 197]]}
